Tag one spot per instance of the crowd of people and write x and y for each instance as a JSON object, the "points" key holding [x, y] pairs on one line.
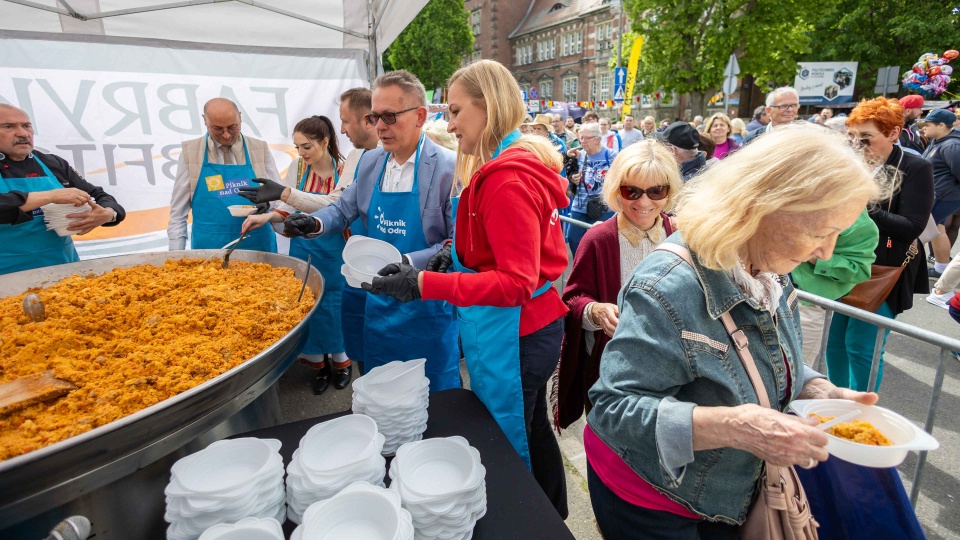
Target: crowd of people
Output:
{"points": [[697, 226]]}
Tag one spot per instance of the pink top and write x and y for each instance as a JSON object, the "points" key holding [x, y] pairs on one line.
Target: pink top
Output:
{"points": [[722, 149], [624, 482]]}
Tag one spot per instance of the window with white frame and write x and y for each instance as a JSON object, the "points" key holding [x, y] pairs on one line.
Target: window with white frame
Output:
{"points": [[604, 86], [593, 90], [576, 46], [529, 56], [553, 49], [546, 89], [570, 88], [475, 21], [565, 45], [519, 56]]}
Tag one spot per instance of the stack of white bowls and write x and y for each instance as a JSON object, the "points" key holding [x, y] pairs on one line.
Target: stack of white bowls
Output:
{"points": [[363, 257], [227, 481], [246, 529], [360, 511], [441, 482], [331, 456], [55, 216], [396, 396]]}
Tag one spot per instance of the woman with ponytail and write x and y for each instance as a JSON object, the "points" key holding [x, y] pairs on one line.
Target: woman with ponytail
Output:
{"points": [[507, 250]]}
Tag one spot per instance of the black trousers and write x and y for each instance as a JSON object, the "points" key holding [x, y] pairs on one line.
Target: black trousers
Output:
{"points": [[539, 355], [619, 519]]}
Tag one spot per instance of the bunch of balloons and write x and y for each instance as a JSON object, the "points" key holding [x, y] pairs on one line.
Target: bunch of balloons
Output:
{"points": [[931, 74]]}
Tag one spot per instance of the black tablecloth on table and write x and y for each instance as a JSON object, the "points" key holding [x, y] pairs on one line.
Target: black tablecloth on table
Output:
{"points": [[516, 506]]}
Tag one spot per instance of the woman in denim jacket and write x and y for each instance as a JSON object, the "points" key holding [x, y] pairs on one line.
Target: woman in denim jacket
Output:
{"points": [[676, 440]]}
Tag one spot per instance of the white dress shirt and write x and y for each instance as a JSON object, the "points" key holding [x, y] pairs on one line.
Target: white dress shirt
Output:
{"points": [[398, 178]]}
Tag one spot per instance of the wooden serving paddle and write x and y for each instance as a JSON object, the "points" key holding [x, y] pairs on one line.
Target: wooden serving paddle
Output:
{"points": [[38, 388]]}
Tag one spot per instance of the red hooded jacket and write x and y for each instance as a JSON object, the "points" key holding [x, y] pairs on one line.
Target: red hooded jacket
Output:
{"points": [[509, 232]]}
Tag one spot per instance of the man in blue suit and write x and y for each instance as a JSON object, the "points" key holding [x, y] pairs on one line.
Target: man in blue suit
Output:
{"points": [[402, 196]]}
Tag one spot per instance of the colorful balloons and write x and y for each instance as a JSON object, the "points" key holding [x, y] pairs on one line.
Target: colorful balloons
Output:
{"points": [[931, 74]]}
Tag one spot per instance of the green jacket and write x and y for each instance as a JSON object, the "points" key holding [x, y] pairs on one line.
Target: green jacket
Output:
{"points": [[849, 265]]}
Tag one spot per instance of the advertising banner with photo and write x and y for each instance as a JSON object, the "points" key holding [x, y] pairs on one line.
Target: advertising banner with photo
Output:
{"points": [[825, 83], [118, 112]]}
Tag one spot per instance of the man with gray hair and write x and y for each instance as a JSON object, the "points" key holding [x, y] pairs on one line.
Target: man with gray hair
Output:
{"points": [[401, 196], [782, 106], [683, 140]]}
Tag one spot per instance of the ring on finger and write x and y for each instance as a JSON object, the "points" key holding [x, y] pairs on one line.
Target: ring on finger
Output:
{"points": [[811, 464]]}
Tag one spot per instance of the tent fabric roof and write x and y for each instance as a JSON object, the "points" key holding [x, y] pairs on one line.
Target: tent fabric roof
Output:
{"points": [[310, 24], [543, 15]]}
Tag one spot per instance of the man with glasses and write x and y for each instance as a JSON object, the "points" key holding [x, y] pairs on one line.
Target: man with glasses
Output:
{"points": [[782, 106], [211, 170], [401, 196]]}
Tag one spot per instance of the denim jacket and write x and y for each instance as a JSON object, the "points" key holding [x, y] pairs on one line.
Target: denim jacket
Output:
{"points": [[671, 353]]}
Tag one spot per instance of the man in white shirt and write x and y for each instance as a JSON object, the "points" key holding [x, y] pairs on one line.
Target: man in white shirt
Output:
{"points": [[630, 134], [209, 158], [782, 106]]}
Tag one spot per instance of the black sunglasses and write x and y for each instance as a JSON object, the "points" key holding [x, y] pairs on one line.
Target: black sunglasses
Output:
{"points": [[655, 193], [389, 118]]}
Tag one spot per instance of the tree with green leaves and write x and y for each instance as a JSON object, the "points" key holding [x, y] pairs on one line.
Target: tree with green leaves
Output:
{"points": [[432, 46], [879, 33], [687, 42]]}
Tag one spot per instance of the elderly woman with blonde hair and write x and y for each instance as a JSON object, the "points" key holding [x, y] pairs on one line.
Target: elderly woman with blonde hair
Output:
{"points": [[640, 187], [437, 131], [677, 439]]}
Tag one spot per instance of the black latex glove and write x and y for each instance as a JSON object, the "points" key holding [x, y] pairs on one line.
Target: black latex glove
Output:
{"points": [[300, 225], [268, 191], [262, 208], [398, 281], [441, 260]]}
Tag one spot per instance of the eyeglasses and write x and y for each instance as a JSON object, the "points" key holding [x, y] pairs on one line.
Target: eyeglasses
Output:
{"points": [[389, 118], [861, 139], [787, 106], [587, 137], [655, 193]]}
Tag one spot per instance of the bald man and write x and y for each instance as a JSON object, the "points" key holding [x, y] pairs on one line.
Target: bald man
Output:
{"points": [[211, 170]]}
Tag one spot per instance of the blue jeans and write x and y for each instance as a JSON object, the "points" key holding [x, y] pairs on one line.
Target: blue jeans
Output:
{"points": [[539, 356], [850, 351], [575, 233]]}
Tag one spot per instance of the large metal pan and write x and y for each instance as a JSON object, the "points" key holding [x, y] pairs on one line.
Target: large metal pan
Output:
{"points": [[54, 475]]}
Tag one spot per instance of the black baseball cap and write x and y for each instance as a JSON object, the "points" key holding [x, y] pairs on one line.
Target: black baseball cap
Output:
{"points": [[681, 135]]}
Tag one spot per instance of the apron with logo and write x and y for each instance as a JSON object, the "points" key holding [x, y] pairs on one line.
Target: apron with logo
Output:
{"points": [[490, 337], [213, 226], [397, 330], [325, 335], [30, 245]]}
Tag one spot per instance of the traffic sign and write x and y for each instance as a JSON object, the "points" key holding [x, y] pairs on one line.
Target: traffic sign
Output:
{"points": [[619, 84], [733, 68], [730, 85], [524, 94], [534, 105], [534, 93]]}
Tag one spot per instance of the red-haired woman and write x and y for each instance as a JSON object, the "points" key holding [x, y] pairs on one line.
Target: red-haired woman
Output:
{"points": [[875, 125]]}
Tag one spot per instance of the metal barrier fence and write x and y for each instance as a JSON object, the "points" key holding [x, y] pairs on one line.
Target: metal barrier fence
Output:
{"points": [[945, 344]]}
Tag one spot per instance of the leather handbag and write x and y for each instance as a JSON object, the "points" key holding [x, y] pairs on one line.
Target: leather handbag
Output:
{"points": [[870, 294], [595, 208], [781, 510]]}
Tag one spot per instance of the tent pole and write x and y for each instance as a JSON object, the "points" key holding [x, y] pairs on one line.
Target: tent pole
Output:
{"points": [[372, 42], [294, 15], [69, 8], [28, 3], [379, 19]]}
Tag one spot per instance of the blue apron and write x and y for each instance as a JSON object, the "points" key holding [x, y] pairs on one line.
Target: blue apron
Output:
{"points": [[324, 334], [30, 245], [397, 330], [354, 301], [490, 337], [213, 226]]}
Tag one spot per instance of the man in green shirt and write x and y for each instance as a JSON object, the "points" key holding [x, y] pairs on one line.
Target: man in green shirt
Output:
{"points": [[834, 278]]}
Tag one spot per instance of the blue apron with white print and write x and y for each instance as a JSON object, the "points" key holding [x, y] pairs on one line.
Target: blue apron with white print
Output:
{"points": [[325, 334], [397, 330], [354, 300], [30, 245], [213, 226], [491, 347]]}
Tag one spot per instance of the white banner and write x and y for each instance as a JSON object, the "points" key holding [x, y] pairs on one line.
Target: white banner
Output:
{"points": [[118, 113], [825, 83]]}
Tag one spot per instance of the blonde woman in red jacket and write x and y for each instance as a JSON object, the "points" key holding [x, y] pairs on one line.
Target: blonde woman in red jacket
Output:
{"points": [[508, 248]]}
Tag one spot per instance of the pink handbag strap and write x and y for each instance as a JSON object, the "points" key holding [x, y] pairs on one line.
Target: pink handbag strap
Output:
{"points": [[740, 343]]}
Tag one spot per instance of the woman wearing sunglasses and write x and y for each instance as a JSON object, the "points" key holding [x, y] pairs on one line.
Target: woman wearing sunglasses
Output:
{"points": [[641, 186], [507, 250]]}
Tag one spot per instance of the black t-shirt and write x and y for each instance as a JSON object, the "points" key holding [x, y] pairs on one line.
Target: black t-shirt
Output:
{"points": [[65, 174]]}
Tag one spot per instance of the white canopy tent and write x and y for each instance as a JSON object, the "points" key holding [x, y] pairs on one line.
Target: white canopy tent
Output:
{"points": [[368, 25]]}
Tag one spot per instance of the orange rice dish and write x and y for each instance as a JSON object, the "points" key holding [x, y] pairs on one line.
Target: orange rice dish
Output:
{"points": [[133, 337], [858, 431]]}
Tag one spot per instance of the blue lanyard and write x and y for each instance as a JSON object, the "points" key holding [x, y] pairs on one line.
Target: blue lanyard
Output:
{"points": [[416, 165], [336, 177], [507, 141]]}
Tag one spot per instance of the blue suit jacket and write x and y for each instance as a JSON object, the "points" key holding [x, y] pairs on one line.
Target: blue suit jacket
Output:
{"points": [[435, 177]]}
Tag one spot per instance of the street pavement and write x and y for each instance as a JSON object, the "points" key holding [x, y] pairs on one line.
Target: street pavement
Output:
{"points": [[909, 371]]}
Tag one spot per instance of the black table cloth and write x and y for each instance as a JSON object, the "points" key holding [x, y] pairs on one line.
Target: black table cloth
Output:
{"points": [[516, 506]]}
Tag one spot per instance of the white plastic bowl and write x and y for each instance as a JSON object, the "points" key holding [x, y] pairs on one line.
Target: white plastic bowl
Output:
{"points": [[365, 257], [241, 210], [245, 529], [348, 275], [339, 443], [359, 511], [225, 466], [437, 467], [396, 378], [904, 434]]}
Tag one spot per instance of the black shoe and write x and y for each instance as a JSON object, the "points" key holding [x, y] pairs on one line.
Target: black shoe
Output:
{"points": [[321, 383], [341, 378]]}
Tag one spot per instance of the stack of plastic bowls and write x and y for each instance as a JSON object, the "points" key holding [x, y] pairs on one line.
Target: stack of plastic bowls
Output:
{"points": [[228, 481], [55, 216], [359, 511], [363, 257], [396, 395], [331, 456], [246, 529], [442, 484]]}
